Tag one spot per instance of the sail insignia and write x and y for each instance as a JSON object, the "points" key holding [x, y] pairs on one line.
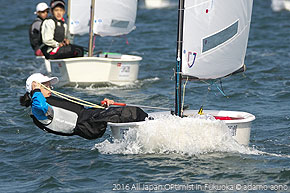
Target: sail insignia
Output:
{"points": [[191, 59]]}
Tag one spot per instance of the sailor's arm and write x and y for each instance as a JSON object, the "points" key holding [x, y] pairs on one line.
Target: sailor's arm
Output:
{"points": [[40, 108]]}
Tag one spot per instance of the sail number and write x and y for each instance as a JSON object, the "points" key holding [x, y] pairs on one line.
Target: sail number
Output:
{"points": [[233, 129], [124, 70]]}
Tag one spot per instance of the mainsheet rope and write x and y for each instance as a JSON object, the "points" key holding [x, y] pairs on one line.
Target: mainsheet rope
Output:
{"points": [[73, 99], [209, 88]]}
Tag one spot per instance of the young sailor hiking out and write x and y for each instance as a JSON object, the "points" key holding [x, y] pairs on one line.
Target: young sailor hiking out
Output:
{"points": [[54, 32], [34, 30], [66, 116]]}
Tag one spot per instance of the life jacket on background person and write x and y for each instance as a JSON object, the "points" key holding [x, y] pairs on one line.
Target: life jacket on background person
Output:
{"points": [[35, 34], [35, 28], [67, 51], [58, 34]]}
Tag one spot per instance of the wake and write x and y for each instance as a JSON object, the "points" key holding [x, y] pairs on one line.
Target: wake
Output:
{"points": [[185, 136]]}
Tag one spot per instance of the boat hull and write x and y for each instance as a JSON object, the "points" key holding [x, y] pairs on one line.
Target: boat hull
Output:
{"points": [[239, 125], [88, 71], [41, 59]]}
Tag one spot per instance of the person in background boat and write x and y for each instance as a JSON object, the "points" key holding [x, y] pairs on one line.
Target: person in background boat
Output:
{"points": [[62, 117], [55, 35], [34, 30]]}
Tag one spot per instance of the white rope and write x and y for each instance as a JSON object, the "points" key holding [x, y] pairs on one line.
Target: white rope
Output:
{"points": [[73, 99]]}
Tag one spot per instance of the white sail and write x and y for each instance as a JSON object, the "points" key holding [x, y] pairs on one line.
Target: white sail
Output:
{"points": [[115, 17], [112, 17], [79, 16], [215, 37]]}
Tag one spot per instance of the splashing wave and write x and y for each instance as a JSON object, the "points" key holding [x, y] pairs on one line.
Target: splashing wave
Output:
{"points": [[171, 134]]}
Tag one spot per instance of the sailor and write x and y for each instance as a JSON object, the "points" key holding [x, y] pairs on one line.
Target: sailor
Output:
{"points": [[62, 117], [54, 34], [34, 30]]}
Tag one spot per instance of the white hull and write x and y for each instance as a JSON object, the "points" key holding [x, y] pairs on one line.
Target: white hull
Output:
{"points": [[95, 70], [240, 126], [45, 62]]}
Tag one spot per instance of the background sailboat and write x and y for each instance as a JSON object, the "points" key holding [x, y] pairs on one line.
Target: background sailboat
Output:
{"points": [[110, 18], [211, 44], [278, 5], [156, 4]]}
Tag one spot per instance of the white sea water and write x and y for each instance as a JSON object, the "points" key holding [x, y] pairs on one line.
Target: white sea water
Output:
{"points": [[171, 134]]}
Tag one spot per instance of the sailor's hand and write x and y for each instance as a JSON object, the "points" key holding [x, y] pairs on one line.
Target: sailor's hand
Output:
{"points": [[66, 41], [61, 45], [35, 85], [107, 102]]}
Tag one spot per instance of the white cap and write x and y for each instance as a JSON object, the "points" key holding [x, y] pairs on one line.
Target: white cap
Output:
{"points": [[41, 7], [40, 78]]}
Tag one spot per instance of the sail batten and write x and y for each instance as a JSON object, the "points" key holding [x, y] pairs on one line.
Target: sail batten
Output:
{"points": [[215, 37]]}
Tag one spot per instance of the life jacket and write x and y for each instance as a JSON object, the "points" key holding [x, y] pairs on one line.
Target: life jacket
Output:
{"points": [[59, 32], [65, 117], [35, 33]]}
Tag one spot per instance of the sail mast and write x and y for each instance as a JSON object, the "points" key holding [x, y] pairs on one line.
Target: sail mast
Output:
{"points": [[68, 15], [178, 77], [91, 28]]}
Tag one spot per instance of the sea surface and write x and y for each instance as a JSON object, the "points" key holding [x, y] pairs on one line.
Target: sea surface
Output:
{"points": [[199, 161]]}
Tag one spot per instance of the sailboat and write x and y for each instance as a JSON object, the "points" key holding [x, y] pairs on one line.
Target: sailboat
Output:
{"points": [[99, 18], [211, 44], [156, 4], [278, 5]]}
